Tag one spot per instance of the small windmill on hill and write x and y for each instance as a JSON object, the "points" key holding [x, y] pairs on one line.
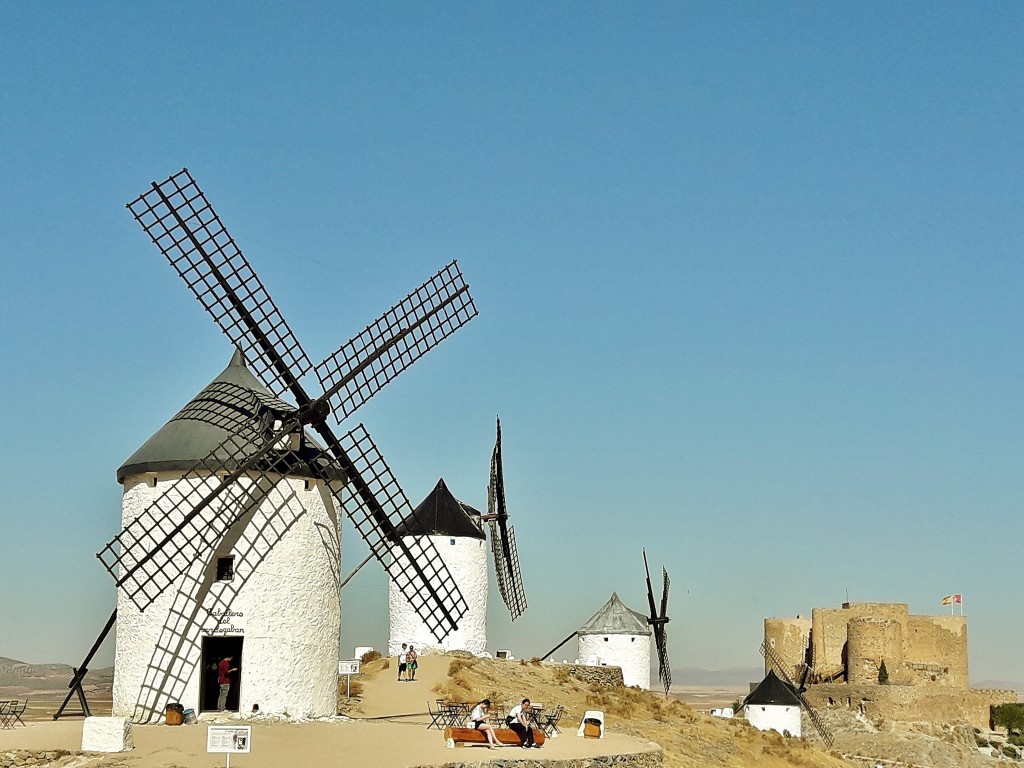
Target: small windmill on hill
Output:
{"points": [[609, 637], [775, 663], [503, 537], [246, 495]]}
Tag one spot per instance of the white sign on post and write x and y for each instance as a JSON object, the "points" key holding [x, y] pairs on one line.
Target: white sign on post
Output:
{"points": [[228, 739], [348, 667]]}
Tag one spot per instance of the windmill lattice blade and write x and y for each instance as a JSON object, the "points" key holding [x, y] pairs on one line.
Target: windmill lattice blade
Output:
{"points": [[506, 569], [183, 225], [393, 342], [416, 566], [664, 594], [664, 668], [187, 518]]}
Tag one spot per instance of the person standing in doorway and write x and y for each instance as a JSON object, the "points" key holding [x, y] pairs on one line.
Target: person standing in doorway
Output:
{"points": [[224, 670]]}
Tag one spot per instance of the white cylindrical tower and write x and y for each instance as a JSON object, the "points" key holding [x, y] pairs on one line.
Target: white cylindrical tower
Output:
{"points": [[618, 636], [454, 528], [264, 592]]}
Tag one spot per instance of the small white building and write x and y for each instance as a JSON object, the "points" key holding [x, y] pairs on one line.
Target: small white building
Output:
{"points": [[773, 706], [455, 530], [617, 636], [265, 592]]}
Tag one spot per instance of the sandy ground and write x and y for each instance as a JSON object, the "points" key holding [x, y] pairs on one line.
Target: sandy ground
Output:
{"points": [[388, 729]]}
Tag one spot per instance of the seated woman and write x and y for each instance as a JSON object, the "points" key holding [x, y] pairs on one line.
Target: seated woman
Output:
{"points": [[479, 718]]}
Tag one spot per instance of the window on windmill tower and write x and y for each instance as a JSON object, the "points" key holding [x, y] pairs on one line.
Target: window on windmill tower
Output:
{"points": [[225, 568], [452, 542]]}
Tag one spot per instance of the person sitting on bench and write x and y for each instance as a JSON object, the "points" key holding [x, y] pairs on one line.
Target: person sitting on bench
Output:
{"points": [[480, 719], [519, 721]]}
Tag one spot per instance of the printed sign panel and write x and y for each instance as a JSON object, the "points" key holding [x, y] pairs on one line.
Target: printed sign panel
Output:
{"points": [[349, 667], [228, 738]]}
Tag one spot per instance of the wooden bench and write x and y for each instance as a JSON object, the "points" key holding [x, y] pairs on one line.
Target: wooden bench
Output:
{"points": [[456, 736]]}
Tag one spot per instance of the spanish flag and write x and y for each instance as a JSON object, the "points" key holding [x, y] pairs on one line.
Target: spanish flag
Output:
{"points": [[950, 599]]}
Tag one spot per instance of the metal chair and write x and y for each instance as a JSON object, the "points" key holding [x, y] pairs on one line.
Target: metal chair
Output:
{"points": [[7, 714], [438, 717], [17, 712], [550, 722]]}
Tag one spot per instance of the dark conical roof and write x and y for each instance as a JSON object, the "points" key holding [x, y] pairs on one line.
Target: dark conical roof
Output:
{"points": [[441, 514], [615, 618], [772, 690], [234, 403]]}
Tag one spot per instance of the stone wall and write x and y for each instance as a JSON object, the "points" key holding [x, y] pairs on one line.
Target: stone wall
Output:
{"points": [[609, 677], [912, 703], [652, 758], [936, 650], [789, 638], [26, 758], [871, 641], [858, 637]]}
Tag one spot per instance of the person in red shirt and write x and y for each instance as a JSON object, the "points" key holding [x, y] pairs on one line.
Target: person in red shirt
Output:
{"points": [[224, 670]]}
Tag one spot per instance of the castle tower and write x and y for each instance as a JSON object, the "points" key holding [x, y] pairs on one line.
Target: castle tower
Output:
{"points": [[455, 530], [618, 636], [265, 592]]}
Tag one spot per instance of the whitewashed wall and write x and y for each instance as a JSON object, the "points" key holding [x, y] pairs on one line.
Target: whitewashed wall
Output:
{"points": [[467, 561], [774, 717], [631, 652], [284, 600]]}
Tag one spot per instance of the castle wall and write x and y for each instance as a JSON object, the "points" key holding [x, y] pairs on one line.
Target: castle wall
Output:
{"points": [[856, 638], [829, 632], [789, 638], [466, 559], [911, 703], [283, 601], [936, 650], [870, 641], [630, 652]]}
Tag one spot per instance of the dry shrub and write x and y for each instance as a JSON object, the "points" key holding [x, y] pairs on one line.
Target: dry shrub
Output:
{"points": [[375, 666], [369, 656], [561, 674], [459, 664]]}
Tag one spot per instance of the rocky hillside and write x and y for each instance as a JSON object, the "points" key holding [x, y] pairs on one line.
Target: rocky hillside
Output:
{"points": [[689, 738]]}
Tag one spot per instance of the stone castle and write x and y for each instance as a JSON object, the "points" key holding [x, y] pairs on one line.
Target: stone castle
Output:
{"points": [[849, 644], [838, 654]]}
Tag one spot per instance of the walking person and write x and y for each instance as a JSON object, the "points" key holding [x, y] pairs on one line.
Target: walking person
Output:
{"points": [[224, 670], [403, 659], [518, 720], [411, 665], [480, 719]]}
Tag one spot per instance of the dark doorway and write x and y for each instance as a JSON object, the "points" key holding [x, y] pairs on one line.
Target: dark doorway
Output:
{"points": [[215, 649]]}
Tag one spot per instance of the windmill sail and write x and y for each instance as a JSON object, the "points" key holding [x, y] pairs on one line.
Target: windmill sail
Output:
{"points": [[188, 232], [657, 621], [503, 538]]}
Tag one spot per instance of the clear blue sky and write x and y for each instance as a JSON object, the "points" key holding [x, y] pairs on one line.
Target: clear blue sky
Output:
{"points": [[749, 283]]}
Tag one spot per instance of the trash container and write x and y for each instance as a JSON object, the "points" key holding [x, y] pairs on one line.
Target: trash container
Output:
{"points": [[190, 717], [174, 714]]}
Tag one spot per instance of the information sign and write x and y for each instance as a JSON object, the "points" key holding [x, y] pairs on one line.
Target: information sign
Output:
{"points": [[228, 739]]}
